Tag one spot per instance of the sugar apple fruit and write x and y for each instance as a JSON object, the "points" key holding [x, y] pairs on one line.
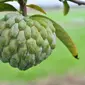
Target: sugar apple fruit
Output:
{"points": [[25, 41]]}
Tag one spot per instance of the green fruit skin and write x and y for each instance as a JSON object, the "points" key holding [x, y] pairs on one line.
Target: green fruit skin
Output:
{"points": [[25, 42]]}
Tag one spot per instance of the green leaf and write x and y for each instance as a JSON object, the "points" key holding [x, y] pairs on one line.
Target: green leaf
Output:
{"points": [[66, 7], [62, 35], [5, 0], [38, 8], [7, 7]]}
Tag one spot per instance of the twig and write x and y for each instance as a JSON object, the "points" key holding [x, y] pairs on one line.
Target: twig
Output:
{"points": [[79, 2]]}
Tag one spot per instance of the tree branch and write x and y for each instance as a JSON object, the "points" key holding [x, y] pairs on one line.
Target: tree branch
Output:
{"points": [[79, 2]]}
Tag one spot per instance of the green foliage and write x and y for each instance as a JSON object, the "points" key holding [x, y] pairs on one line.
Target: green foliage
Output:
{"points": [[7, 7], [36, 7], [66, 7]]}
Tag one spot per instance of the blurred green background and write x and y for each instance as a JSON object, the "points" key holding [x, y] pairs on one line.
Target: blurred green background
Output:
{"points": [[60, 62]]}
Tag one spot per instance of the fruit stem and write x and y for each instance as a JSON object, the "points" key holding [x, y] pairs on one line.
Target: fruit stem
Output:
{"points": [[23, 8]]}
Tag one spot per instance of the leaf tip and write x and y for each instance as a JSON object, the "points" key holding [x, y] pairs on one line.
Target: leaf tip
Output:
{"points": [[76, 57]]}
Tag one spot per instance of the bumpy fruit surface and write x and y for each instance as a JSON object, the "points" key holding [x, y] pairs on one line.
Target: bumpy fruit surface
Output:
{"points": [[25, 42]]}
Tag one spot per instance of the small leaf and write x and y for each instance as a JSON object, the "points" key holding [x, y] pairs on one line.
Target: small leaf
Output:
{"points": [[66, 7], [7, 7], [62, 35], [38, 8]]}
